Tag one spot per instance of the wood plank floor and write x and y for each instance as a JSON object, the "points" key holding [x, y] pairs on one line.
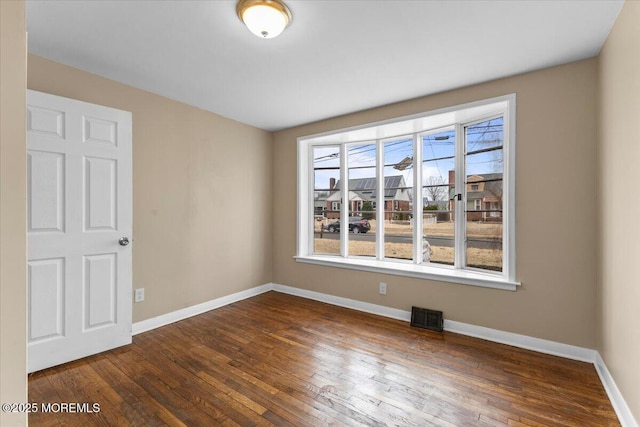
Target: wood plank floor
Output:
{"points": [[281, 360]]}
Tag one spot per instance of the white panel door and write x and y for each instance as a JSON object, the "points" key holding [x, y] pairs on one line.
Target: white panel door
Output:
{"points": [[79, 226]]}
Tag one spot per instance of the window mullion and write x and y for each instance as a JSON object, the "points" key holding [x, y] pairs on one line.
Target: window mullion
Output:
{"points": [[508, 208], [311, 206], [305, 192], [380, 200], [344, 202], [460, 202], [418, 231]]}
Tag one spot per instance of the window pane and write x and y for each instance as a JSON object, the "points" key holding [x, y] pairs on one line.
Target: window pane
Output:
{"points": [[438, 183], [326, 200], [398, 199], [362, 196], [483, 186]]}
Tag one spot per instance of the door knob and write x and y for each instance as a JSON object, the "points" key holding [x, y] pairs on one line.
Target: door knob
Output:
{"points": [[124, 241]]}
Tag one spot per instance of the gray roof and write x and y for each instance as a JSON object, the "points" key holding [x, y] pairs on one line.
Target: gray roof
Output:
{"points": [[367, 186]]}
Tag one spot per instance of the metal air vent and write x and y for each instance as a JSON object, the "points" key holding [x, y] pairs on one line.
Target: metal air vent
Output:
{"points": [[427, 319]]}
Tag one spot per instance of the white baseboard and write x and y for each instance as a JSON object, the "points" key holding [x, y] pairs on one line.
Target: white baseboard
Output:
{"points": [[522, 341], [617, 400], [194, 310], [516, 340], [380, 310]]}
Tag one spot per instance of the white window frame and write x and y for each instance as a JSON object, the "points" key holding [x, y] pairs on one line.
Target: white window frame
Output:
{"points": [[416, 125]]}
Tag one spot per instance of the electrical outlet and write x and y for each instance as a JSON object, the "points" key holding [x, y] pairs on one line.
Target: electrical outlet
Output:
{"points": [[383, 288], [139, 295]]}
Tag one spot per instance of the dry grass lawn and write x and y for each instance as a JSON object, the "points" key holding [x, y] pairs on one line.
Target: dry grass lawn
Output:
{"points": [[482, 258]]}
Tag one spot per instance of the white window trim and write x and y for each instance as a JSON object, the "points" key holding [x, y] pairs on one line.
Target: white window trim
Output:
{"points": [[408, 269], [506, 280]]}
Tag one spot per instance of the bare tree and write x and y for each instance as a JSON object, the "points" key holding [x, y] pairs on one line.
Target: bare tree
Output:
{"points": [[436, 189], [495, 189]]}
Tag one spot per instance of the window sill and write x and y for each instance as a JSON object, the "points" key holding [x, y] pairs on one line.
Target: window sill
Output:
{"points": [[471, 278]]}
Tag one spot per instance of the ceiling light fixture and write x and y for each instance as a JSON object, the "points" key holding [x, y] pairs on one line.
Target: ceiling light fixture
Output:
{"points": [[264, 18]]}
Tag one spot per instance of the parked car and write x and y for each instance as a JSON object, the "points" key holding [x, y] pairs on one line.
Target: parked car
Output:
{"points": [[356, 225]]}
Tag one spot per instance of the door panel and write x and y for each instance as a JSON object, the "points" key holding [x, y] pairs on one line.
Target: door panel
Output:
{"points": [[45, 182], [45, 121], [99, 131], [46, 299], [100, 290], [79, 184], [101, 194]]}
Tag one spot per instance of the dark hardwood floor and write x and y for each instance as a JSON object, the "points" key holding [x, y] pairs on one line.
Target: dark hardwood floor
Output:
{"points": [[281, 360]]}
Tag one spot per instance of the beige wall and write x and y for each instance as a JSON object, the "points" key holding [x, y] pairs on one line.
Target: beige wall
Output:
{"points": [[205, 224], [13, 210], [619, 203], [201, 192], [555, 218]]}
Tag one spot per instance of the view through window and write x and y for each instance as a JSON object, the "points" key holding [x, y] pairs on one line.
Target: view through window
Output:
{"points": [[436, 197]]}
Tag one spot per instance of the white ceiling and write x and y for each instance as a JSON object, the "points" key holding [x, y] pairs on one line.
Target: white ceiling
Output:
{"points": [[336, 57]]}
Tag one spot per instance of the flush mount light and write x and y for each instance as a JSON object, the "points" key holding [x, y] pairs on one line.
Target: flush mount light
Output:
{"points": [[264, 18]]}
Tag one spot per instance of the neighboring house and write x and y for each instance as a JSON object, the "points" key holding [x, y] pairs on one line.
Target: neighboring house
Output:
{"points": [[320, 203], [397, 203], [484, 196]]}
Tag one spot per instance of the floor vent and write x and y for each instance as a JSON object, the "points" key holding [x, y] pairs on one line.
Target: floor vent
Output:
{"points": [[427, 319]]}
